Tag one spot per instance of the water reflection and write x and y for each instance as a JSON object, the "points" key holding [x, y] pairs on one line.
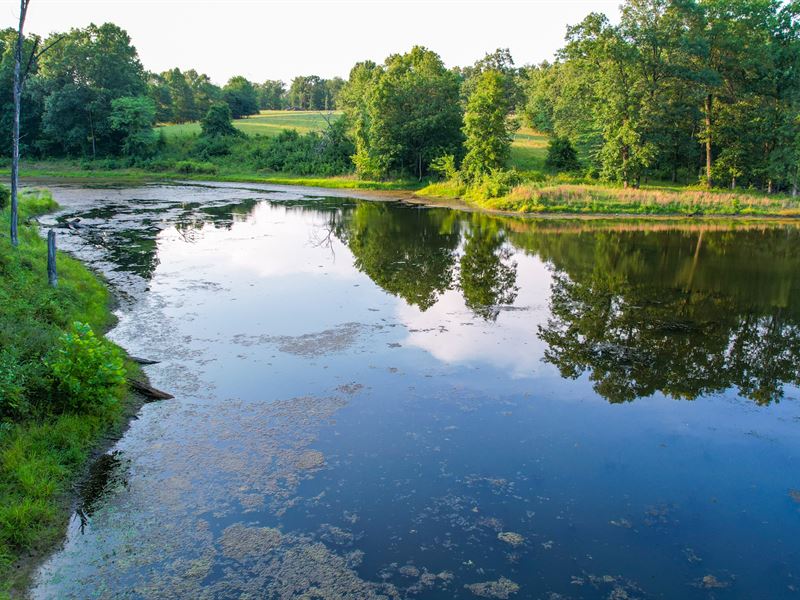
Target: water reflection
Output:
{"points": [[334, 362], [685, 309]]}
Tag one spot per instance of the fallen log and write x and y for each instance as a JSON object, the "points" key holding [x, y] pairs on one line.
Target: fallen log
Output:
{"points": [[143, 361], [149, 391]]}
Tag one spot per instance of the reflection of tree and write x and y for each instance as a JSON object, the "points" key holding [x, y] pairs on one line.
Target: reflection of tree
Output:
{"points": [[636, 334], [409, 252], [487, 276]]}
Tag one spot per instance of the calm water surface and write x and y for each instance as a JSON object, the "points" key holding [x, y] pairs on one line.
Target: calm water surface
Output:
{"points": [[376, 400]]}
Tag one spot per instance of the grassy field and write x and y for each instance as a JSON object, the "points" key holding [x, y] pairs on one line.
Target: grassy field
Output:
{"points": [[529, 150], [41, 452], [268, 122]]}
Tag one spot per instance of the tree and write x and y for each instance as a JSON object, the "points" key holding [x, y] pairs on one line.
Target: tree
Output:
{"points": [[487, 128], [80, 77], [23, 9], [561, 155], [241, 97], [403, 114], [271, 95], [133, 118], [218, 121]]}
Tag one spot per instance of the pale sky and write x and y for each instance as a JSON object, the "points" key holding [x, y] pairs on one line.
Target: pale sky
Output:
{"points": [[264, 39]]}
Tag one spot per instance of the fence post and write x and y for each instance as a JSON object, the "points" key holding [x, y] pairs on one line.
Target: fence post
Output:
{"points": [[52, 273]]}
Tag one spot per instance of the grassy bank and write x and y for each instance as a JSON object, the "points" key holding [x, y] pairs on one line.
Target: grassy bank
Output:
{"points": [[74, 171], [48, 429], [566, 198]]}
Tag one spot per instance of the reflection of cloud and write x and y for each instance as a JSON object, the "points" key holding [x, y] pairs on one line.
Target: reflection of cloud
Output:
{"points": [[453, 334], [262, 243]]}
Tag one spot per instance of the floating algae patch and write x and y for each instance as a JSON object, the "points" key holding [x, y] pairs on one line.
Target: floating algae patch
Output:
{"points": [[240, 542], [311, 345], [510, 537], [503, 588]]}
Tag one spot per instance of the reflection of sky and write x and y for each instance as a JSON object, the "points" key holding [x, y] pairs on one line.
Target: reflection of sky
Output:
{"points": [[450, 332]]}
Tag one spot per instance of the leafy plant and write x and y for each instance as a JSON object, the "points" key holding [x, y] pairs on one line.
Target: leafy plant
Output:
{"points": [[88, 372]]}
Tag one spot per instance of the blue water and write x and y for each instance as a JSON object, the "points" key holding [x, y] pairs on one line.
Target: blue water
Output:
{"points": [[426, 403]]}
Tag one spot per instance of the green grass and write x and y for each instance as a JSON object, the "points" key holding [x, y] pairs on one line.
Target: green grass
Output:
{"points": [[529, 150], [67, 169], [267, 122], [598, 199], [41, 453]]}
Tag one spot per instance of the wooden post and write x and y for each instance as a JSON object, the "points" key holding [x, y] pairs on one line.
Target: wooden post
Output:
{"points": [[52, 273]]}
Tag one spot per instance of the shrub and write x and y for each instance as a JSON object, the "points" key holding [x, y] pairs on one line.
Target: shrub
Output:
{"points": [[444, 166], [493, 185], [561, 155], [5, 197], [190, 166], [88, 373]]}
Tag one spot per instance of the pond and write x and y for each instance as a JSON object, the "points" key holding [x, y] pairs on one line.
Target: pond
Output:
{"points": [[384, 400]]}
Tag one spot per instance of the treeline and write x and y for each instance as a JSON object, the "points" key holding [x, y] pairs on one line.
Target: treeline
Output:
{"points": [[87, 95], [182, 97], [679, 90], [689, 91]]}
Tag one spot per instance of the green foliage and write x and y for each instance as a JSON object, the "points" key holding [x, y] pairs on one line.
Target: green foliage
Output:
{"points": [[305, 154], [444, 166], [40, 452], [494, 184], [676, 85], [395, 131], [133, 118], [241, 96], [77, 80], [190, 167], [561, 155], [488, 130], [5, 196], [88, 372], [218, 121]]}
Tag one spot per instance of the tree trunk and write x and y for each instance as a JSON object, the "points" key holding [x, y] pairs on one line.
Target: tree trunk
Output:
{"points": [[708, 108], [733, 182], [52, 273], [769, 186], [23, 8], [794, 184]]}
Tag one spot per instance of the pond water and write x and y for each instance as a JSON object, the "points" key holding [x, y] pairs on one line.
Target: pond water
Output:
{"points": [[381, 400]]}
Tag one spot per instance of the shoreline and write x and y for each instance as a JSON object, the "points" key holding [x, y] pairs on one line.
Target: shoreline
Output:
{"points": [[316, 186], [49, 535]]}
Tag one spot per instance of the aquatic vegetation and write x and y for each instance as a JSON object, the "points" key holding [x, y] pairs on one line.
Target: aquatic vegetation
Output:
{"points": [[510, 537], [503, 588]]}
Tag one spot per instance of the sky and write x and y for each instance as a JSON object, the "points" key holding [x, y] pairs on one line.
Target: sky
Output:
{"points": [[264, 39]]}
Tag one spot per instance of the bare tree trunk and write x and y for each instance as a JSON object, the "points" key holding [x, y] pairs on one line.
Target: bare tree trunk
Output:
{"points": [[23, 8], [52, 273], [708, 107], [794, 184]]}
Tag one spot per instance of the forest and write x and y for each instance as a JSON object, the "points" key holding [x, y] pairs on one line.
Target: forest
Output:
{"points": [[698, 93]]}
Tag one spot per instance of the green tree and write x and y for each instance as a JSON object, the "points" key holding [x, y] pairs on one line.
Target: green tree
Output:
{"points": [[80, 77], [241, 97], [133, 118], [271, 95], [561, 155], [403, 114], [487, 127], [218, 121]]}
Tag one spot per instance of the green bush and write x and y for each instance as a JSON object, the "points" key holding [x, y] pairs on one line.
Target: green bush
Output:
{"points": [[561, 155], [189, 167], [493, 185], [88, 372], [5, 197]]}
